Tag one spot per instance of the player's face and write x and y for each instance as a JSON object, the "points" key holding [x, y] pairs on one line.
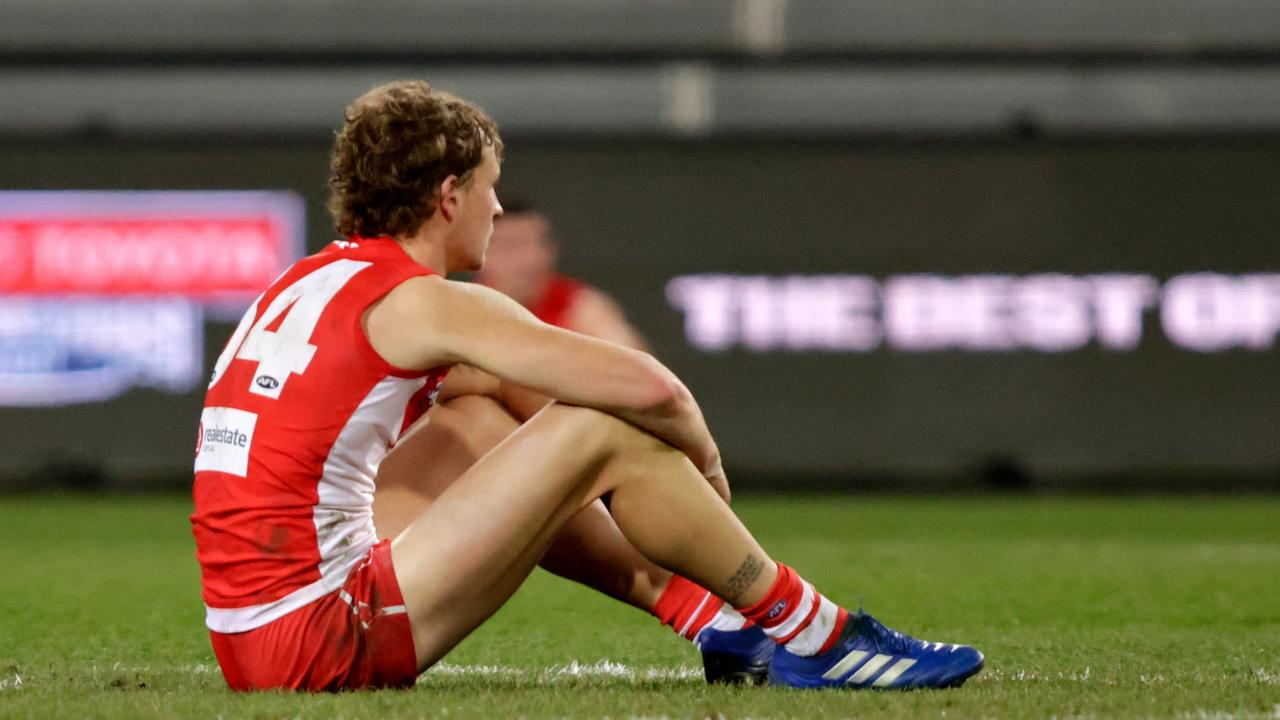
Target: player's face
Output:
{"points": [[521, 254], [478, 207]]}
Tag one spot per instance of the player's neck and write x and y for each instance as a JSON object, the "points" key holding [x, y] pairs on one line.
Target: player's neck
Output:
{"points": [[426, 247]]}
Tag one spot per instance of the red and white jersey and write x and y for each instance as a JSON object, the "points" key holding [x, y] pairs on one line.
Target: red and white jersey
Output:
{"points": [[300, 411]]}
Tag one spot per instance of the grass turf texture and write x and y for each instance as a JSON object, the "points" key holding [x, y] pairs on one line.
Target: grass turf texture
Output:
{"points": [[1084, 607]]}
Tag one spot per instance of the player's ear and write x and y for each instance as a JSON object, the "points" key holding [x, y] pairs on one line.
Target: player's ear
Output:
{"points": [[447, 197]]}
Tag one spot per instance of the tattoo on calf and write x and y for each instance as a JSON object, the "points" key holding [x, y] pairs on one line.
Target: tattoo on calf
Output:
{"points": [[746, 574]]}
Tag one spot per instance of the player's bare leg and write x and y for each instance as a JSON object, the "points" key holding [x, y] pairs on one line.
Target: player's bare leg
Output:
{"points": [[590, 549], [466, 555]]}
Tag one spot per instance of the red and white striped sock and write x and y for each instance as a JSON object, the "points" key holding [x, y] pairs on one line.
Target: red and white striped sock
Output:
{"points": [[796, 616], [689, 609]]}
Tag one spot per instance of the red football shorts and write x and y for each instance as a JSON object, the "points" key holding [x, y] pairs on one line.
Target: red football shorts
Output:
{"points": [[353, 638]]}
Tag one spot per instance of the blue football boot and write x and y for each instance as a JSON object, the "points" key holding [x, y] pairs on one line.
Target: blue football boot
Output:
{"points": [[737, 656], [870, 655]]}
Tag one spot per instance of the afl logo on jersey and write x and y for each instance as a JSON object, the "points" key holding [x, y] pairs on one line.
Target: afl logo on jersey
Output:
{"points": [[267, 382]]}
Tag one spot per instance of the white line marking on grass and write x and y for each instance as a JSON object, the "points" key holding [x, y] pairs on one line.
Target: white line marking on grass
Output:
{"points": [[1086, 676], [1260, 675], [1208, 714], [188, 668], [573, 671], [602, 670]]}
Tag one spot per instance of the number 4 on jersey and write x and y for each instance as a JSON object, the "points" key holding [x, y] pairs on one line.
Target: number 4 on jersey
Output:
{"points": [[287, 350]]}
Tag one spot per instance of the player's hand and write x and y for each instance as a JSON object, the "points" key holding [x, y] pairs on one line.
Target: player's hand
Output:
{"points": [[719, 482]]}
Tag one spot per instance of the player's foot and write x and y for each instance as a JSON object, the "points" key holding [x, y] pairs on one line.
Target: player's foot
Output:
{"points": [[736, 656], [870, 655]]}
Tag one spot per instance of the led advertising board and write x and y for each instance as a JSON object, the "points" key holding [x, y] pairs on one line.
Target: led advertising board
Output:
{"points": [[1050, 312], [1091, 312], [102, 292], [902, 313]]}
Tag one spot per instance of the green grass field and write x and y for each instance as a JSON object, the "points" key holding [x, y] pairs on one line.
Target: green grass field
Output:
{"points": [[1135, 607]]}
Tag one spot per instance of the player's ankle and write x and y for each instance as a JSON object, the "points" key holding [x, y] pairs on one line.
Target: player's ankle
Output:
{"points": [[796, 615]]}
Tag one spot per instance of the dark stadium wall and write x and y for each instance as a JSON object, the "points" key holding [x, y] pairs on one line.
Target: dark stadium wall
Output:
{"points": [[794, 401]]}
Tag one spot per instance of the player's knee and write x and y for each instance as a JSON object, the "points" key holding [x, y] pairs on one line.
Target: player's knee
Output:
{"points": [[592, 429], [577, 419], [483, 421]]}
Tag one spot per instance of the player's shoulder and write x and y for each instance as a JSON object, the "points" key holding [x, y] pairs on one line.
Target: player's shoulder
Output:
{"points": [[593, 301], [429, 290], [567, 289], [594, 312], [413, 295], [591, 293], [428, 321], [439, 301]]}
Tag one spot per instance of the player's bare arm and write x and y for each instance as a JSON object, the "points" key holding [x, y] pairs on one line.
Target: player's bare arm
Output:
{"points": [[466, 380], [456, 322], [594, 314]]}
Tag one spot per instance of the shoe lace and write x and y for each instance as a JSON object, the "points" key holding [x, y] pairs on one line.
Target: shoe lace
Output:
{"points": [[884, 638]]}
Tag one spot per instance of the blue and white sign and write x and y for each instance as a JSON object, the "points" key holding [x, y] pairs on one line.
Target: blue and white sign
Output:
{"points": [[80, 350], [101, 292]]}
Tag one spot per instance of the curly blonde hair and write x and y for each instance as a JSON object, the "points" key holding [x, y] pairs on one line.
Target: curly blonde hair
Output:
{"points": [[399, 141]]}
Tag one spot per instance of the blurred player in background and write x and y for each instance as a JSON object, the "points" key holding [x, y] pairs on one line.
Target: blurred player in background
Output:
{"points": [[521, 264], [346, 350]]}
